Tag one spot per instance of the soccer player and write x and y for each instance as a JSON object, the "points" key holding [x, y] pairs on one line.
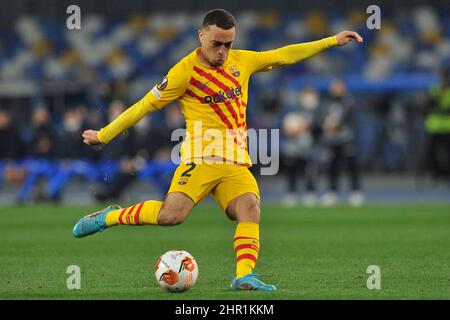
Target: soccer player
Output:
{"points": [[211, 85]]}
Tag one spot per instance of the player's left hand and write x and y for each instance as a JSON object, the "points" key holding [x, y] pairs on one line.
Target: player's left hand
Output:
{"points": [[90, 137], [345, 37]]}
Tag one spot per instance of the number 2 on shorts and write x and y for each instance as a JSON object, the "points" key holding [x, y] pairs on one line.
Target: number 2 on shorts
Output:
{"points": [[186, 173]]}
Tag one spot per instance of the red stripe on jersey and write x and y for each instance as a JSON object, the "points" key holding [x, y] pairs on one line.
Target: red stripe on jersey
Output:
{"points": [[211, 78], [222, 115], [214, 106], [201, 86], [233, 113], [226, 75], [239, 108], [246, 246], [121, 215], [237, 142], [222, 86], [138, 212], [246, 256], [193, 95]]}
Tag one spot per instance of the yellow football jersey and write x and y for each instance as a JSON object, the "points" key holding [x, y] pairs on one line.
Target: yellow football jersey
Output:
{"points": [[213, 100]]}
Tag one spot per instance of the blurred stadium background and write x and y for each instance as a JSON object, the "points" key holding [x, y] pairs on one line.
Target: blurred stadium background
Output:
{"points": [[55, 82]]}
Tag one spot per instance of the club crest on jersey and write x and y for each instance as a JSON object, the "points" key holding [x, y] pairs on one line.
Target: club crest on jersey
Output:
{"points": [[163, 84], [234, 71], [183, 181]]}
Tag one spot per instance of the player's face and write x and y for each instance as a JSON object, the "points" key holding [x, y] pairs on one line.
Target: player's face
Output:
{"points": [[216, 44]]}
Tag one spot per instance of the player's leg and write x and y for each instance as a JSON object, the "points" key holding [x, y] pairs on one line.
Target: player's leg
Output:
{"points": [[190, 184], [238, 195], [245, 210], [174, 210]]}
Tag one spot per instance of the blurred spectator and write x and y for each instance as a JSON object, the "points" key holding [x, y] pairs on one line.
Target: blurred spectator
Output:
{"points": [[10, 150], [71, 154], [395, 135], [338, 137], [437, 124], [148, 156], [42, 144], [9, 137], [120, 148], [116, 166], [92, 119], [298, 147], [41, 158]]}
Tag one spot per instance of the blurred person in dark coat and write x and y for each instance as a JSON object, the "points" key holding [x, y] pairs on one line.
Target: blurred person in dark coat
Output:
{"points": [[339, 139], [40, 160], [10, 150], [298, 147], [111, 155], [147, 157], [71, 153]]}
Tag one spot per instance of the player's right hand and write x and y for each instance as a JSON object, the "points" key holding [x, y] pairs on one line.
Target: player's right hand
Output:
{"points": [[345, 37], [90, 137]]}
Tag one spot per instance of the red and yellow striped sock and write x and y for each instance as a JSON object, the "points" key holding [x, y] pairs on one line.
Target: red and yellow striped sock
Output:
{"points": [[246, 245], [138, 214]]}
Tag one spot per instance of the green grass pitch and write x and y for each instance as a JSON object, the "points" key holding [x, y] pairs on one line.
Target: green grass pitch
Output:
{"points": [[308, 253]]}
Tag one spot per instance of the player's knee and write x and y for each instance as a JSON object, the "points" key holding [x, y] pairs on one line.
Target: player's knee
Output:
{"points": [[251, 213], [254, 211], [173, 213], [230, 215], [171, 219]]}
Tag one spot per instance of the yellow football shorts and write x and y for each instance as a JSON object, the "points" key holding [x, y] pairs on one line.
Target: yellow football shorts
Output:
{"points": [[224, 181]]}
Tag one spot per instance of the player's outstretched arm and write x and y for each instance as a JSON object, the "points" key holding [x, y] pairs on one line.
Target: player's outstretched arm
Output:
{"points": [[297, 52], [125, 120], [294, 53], [171, 88]]}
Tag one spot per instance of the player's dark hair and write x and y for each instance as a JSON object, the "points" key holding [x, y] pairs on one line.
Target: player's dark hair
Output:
{"points": [[219, 17]]}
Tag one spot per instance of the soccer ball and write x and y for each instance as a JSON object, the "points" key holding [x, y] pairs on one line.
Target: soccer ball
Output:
{"points": [[176, 271]]}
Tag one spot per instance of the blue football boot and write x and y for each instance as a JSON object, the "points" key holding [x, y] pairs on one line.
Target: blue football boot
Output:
{"points": [[93, 222], [251, 282]]}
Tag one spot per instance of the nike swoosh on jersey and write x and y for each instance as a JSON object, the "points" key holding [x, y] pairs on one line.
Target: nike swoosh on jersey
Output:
{"points": [[203, 85]]}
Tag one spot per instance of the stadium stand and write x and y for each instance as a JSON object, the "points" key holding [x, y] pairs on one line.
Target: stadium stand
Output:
{"points": [[46, 67]]}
